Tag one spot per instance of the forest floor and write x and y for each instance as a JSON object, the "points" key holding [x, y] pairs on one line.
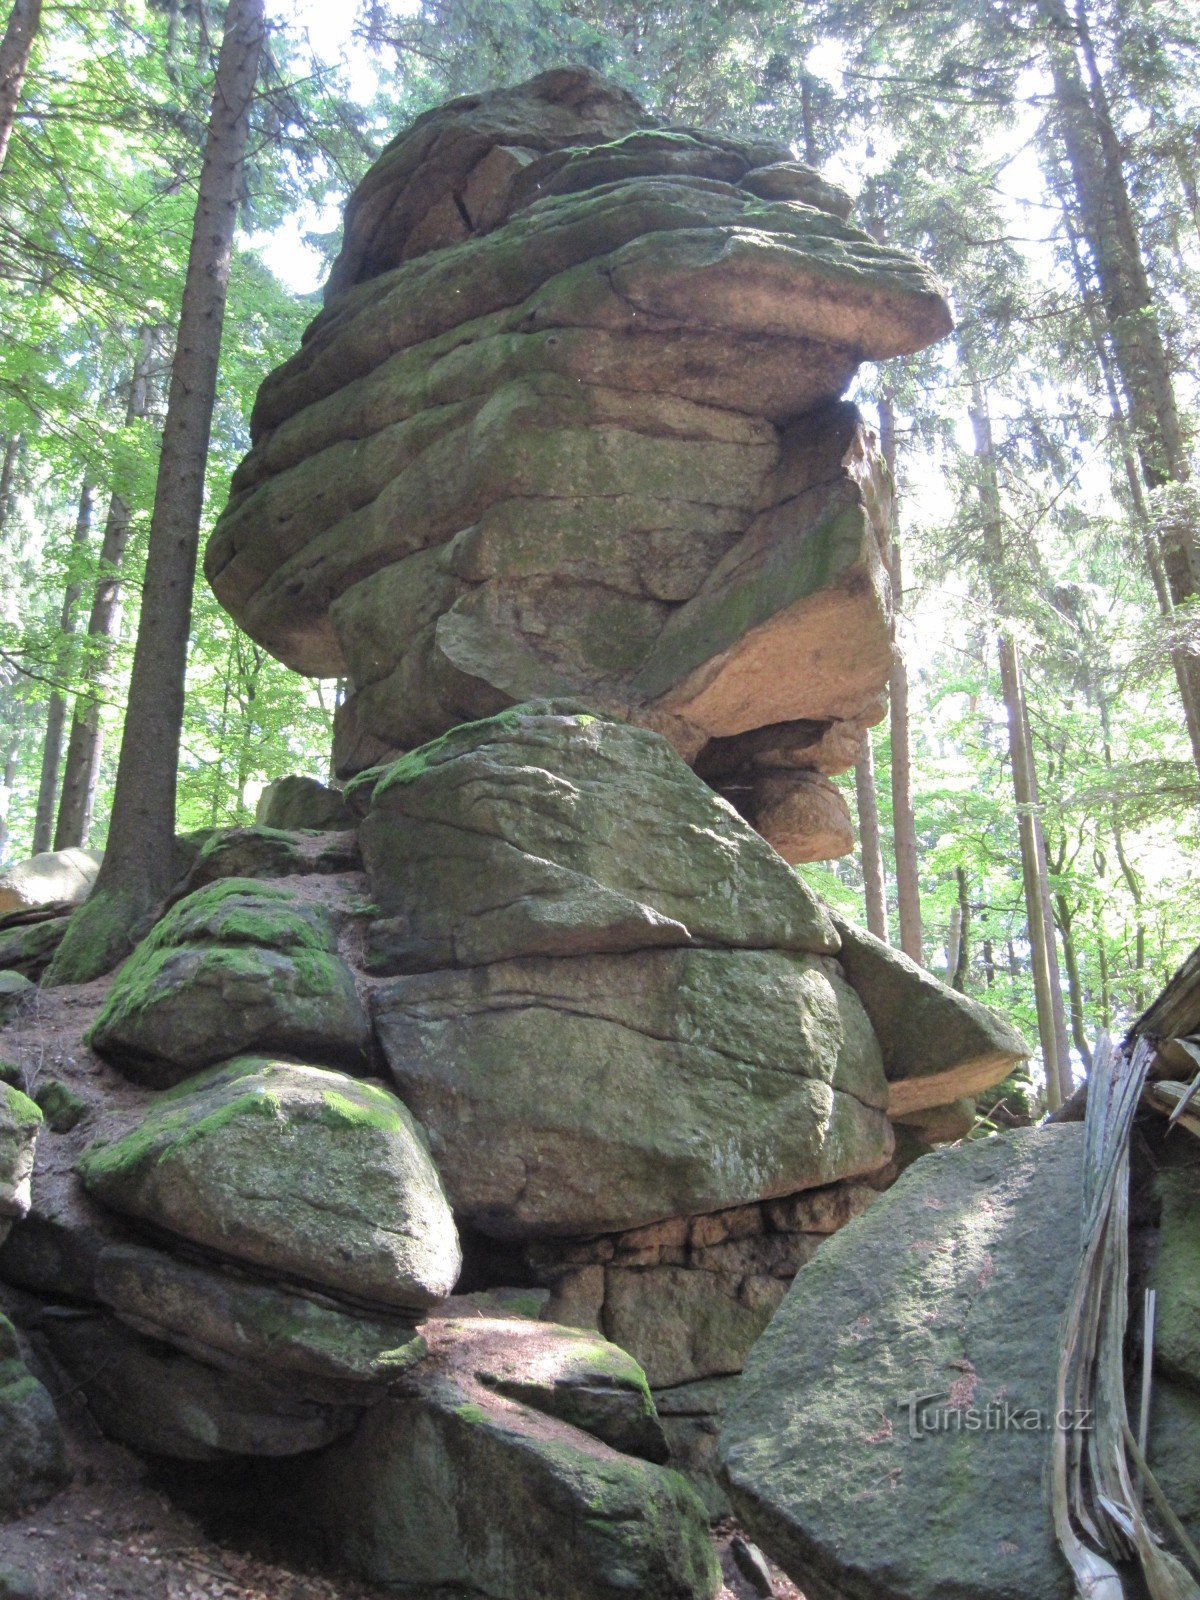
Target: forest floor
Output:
{"points": [[115, 1533]]}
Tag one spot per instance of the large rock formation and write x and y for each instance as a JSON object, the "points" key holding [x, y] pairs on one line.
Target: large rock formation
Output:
{"points": [[569, 423]]}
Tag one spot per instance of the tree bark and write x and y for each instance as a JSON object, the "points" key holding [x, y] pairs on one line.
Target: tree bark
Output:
{"points": [[86, 742], [8, 473], [1066, 927], [962, 962], [56, 708], [1083, 117], [23, 22], [869, 840], [904, 826], [137, 869], [1047, 994], [12, 755]]}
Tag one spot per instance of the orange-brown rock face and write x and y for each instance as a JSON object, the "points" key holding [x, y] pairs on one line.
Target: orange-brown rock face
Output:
{"points": [[570, 424]]}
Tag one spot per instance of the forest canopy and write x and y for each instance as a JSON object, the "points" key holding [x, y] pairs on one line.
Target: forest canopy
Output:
{"points": [[1040, 769]]}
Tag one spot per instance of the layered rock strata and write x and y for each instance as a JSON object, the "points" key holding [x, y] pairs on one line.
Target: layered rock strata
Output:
{"points": [[570, 423]]}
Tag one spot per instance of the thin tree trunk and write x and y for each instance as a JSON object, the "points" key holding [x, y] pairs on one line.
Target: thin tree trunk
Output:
{"points": [[904, 826], [8, 472], [962, 961], [1032, 859], [869, 840], [11, 762], [137, 869], [23, 22], [56, 708], [86, 743], [989, 964], [1066, 928]]}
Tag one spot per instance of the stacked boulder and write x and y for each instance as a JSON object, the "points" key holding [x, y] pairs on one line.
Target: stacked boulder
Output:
{"points": [[569, 424], [531, 1011]]}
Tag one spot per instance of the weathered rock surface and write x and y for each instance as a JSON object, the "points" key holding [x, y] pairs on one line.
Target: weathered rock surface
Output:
{"points": [[938, 1045], [553, 317], [16, 992], [489, 1474], [53, 878], [691, 1416], [227, 1319], [949, 1290], [33, 1456], [298, 802], [551, 831], [605, 1092], [167, 1404], [306, 1173], [272, 852], [27, 946], [236, 966], [20, 1124], [1176, 1278]]}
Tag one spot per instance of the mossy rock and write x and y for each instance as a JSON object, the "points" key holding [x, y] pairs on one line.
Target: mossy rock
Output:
{"points": [[16, 995], [269, 852], [29, 947], [237, 965], [1176, 1278], [20, 1123], [292, 1169], [62, 1108], [33, 1455]]}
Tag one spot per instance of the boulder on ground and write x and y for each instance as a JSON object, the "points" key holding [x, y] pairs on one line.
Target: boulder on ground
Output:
{"points": [[849, 1451], [488, 1474], [16, 992], [300, 802], [938, 1045], [292, 1169], [52, 878], [236, 966], [33, 1453]]}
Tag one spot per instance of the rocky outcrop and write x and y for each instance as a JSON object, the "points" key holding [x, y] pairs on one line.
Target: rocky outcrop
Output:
{"points": [[848, 1448], [236, 966], [300, 802], [553, 318], [508, 1464]]}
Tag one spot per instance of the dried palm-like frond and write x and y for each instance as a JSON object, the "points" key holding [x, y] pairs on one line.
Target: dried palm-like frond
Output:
{"points": [[1097, 1511]]}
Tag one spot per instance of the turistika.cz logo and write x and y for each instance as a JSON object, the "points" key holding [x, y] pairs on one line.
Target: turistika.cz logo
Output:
{"points": [[933, 1414]]}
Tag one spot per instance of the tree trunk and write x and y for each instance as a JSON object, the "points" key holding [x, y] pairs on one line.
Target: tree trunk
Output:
{"points": [[869, 842], [904, 826], [1083, 119], [962, 961], [1046, 994], [137, 869], [8, 472], [1066, 928], [12, 756], [1185, 665], [23, 22], [56, 709], [84, 748]]}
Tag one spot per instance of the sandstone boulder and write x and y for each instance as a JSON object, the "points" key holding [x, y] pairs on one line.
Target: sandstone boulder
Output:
{"points": [[604, 1092], [20, 1124], [57, 878], [235, 966], [271, 852], [547, 831], [16, 993], [472, 1479], [938, 1045], [299, 802], [292, 1169], [847, 1449], [27, 946]]}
